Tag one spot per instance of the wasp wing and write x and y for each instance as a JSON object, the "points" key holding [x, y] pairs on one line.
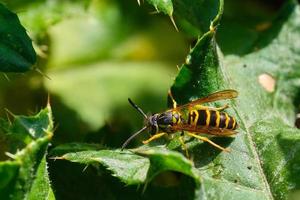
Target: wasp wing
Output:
{"points": [[220, 95]]}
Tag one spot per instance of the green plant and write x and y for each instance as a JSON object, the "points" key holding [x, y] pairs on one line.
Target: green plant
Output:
{"points": [[264, 161]]}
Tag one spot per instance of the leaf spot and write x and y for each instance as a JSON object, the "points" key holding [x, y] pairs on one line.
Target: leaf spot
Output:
{"points": [[267, 82]]}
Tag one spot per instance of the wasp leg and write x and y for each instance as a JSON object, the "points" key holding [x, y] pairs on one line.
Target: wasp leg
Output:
{"points": [[184, 146], [172, 98], [154, 137], [205, 139], [212, 108]]}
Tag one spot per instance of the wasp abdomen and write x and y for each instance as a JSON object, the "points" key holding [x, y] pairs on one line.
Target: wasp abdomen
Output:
{"points": [[202, 117], [211, 118], [227, 121]]}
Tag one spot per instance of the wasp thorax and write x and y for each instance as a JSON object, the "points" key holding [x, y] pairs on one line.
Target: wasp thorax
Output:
{"points": [[165, 119]]}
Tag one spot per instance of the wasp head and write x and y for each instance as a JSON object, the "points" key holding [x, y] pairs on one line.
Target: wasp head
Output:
{"points": [[162, 122], [152, 124]]}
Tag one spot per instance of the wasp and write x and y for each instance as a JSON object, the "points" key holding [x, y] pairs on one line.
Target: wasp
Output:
{"points": [[191, 119]]}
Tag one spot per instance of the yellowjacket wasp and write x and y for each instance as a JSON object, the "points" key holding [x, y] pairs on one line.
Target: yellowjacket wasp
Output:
{"points": [[192, 119]]}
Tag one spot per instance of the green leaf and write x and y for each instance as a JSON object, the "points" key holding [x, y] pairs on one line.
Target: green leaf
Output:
{"points": [[200, 72], [74, 147], [265, 152], [128, 167], [163, 160], [135, 168], [17, 53], [41, 188], [25, 175]]}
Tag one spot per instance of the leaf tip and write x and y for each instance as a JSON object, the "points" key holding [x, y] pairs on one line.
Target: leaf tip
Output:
{"points": [[10, 155], [57, 158], [48, 101], [8, 114], [173, 22]]}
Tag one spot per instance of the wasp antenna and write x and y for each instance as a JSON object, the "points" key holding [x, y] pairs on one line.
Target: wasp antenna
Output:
{"points": [[137, 108], [133, 136]]}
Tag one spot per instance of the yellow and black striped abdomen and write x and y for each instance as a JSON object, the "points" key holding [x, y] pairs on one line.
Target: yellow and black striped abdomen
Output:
{"points": [[211, 118]]}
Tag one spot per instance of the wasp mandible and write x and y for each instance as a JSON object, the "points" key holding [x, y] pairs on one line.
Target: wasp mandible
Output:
{"points": [[191, 119]]}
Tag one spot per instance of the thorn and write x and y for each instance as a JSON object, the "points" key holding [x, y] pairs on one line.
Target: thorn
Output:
{"points": [[52, 158], [48, 100], [49, 133], [55, 128], [173, 22], [10, 155], [57, 158], [41, 73], [154, 12], [10, 113], [8, 119], [212, 28], [85, 168], [138, 187], [30, 112], [138, 1], [6, 77], [145, 187]]}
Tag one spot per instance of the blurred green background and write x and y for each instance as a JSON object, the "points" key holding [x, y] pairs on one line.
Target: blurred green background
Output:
{"points": [[97, 53]]}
